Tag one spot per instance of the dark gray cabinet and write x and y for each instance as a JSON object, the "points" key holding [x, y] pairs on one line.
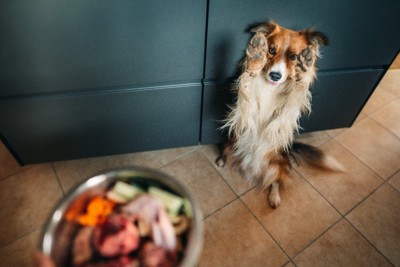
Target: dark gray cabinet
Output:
{"points": [[83, 125], [51, 46], [90, 78]]}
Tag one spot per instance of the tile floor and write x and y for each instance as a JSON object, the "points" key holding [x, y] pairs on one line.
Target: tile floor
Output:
{"points": [[350, 219]]}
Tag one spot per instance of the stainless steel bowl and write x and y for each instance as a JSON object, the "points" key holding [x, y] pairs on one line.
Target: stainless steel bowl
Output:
{"points": [[58, 232]]}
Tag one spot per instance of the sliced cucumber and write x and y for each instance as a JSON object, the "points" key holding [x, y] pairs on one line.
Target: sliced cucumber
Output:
{"points": [[187, 208], [126, 191], [173, 203], [111, 195]]}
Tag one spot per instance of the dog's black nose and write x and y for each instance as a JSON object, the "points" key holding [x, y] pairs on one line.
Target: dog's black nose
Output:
{"points": [[275, 76]]}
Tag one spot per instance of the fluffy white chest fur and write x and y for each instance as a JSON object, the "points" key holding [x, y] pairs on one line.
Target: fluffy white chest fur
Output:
{"points": [[265, 119]]}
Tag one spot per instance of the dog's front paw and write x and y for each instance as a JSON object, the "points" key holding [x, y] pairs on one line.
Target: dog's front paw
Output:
{"points": [[305, 60], [256, 54]]}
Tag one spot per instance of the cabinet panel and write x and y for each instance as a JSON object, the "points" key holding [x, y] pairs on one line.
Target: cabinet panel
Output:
{"points": [[49, 46], [362, 33], [337, 100], [54, 128]]}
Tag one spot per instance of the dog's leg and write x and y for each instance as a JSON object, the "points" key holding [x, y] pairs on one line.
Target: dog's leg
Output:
{"points": [[256, 54], [226, 154], [274, 175], [274, 198], [221, 160]]}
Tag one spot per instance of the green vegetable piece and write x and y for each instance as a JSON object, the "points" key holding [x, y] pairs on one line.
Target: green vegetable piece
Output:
{"points": [[173, 203], [125, 190], [187, 208], [111, 195]]}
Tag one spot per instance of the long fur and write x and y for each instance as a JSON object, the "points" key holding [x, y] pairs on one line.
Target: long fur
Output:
{"points": [[264, 120]]}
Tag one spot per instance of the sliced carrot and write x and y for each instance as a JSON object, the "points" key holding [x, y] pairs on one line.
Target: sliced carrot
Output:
{"points": [[97, 211]]}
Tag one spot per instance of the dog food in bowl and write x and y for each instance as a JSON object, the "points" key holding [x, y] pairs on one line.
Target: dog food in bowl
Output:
{"points": [[130, 217]]}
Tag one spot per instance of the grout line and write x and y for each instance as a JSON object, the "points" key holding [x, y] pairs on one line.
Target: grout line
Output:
{"points": [[384, 127], [364, 199], [318, 237], [266, 230], [21, 237], [220, 174], [383, 181], [388, 179], [20, 170], [58, 178], [360, 160], [251, 212], [358, 231], [343, 216], [195, 148], [220, 208]]}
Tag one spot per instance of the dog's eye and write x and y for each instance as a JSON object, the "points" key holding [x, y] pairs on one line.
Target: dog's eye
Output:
{"points": [[272, 51], [293, 57]]}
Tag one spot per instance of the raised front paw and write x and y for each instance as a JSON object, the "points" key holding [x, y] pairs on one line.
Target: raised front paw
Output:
{"points": [[306, 59], [256, 54]]}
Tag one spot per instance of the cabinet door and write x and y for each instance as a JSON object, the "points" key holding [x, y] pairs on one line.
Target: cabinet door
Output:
{"points": [[363, 33], [49, 46], [337, 99], [41, 129]]}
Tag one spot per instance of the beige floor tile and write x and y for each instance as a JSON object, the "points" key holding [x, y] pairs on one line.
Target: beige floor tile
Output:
{"points": [[72, 172], [377, 218], [231, 176], [334, 132], [302, 216], [289, 264], [391, 82], [395, 181], [343, 190], [389, 116], [396, 62], [375, 146], [20, 252], [233, 237], [26, 199], [8, 165], [342, 245], [379, 98], [159, 158], [313, 138], [200, 177]]}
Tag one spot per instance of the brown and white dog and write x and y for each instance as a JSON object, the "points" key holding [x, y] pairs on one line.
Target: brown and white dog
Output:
{"points": [[272, 93]]}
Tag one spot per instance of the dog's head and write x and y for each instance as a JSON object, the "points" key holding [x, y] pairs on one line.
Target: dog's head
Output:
{"points": [[290, 53]]}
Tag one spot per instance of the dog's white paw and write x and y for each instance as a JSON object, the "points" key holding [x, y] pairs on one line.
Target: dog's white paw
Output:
{"points": [[220, 162], [256, 53], [274, 197], [305, 60], [274, 200]]}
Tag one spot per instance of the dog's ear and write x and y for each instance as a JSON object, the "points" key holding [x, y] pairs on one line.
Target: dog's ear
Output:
{"points": [[316, 38], [265, 28]]}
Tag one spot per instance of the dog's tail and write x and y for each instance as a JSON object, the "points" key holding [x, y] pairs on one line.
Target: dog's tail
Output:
{"points": [[314, 157]]}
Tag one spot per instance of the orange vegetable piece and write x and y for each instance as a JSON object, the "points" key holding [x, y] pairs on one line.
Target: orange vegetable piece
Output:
{"points": [[96, 211]]}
